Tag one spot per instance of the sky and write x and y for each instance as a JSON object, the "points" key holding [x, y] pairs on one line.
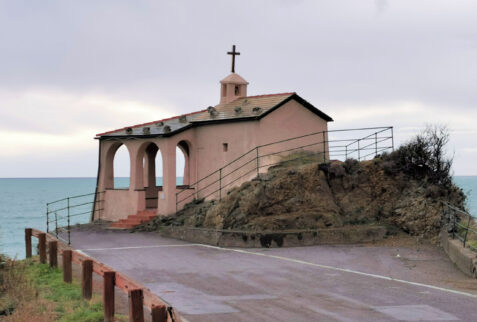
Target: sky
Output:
{"points": [[71, 69]]}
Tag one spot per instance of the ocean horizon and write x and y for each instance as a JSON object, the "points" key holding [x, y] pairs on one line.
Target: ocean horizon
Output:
{"points": [[23, 203]]}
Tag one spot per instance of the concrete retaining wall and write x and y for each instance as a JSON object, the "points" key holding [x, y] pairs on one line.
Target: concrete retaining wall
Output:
{"points": [[464, 258], [248, 239]]}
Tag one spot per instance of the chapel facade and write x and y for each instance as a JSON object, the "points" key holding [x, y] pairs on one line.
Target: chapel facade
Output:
{"points": [[211, 140]]}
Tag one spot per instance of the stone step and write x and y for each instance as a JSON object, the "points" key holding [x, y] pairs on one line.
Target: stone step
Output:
{"points": [[135, 220]]}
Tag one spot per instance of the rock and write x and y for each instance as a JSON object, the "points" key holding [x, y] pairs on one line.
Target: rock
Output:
{"points": [[311, 196]]}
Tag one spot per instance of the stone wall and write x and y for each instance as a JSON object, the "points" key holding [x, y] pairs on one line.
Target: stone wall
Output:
{"points": [[249, 239], [463, 258]]}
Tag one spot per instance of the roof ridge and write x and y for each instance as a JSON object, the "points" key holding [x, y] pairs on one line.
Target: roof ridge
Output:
{"points": [[265, 95], [149, 123], [255, 96]]}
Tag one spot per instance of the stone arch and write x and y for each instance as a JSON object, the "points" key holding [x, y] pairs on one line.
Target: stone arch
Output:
{"points": [[185, 147], [109, 166]]}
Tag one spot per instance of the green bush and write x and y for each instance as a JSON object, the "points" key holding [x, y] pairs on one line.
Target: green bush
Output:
{"points": [[423, 157]]}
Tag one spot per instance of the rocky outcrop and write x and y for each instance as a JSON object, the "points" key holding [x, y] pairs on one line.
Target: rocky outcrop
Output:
{"points": [[317, 196]]}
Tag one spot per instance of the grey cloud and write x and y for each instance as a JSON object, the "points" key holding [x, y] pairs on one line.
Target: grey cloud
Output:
{"points": [[172, 53]]}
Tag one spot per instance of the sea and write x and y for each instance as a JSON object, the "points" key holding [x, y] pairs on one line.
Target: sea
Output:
{"points": [[23, 204]]}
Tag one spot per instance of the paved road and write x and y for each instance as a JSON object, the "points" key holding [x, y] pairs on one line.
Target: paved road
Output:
{"points": [[318, 283]]}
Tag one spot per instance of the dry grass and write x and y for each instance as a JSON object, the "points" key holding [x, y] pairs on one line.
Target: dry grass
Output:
{"points": [[19, 300], [31, 291]]}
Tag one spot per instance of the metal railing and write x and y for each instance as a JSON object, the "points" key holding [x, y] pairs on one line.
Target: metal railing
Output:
{"points": [[63, 213], [322, 146], [461, 225]]}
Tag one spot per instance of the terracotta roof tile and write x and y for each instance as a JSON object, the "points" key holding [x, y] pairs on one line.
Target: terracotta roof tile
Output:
{"points": [[250, 106], [166, 120]]}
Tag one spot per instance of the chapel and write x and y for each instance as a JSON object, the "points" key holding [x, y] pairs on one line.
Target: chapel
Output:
{"points": [[224, 145]]}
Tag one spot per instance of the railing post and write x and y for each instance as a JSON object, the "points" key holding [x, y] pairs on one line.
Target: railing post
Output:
{"points": [[220, 184], [466, 231], [67, 266], [376, 144], [159, 313], [392, 137], [108, 295], [47, 219], [136, 310], [68, 205], [258, 165], [87, 279], [56, 224], [324, 147], [53, 253], [42, 247], [27, 242], [453, 228], [359, 152], [98, 204]]}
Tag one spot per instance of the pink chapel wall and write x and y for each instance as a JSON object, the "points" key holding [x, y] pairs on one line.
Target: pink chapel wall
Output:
{"points": [[207, 154], [290, 121]]}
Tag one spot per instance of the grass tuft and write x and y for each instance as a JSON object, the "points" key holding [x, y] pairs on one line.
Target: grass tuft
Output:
{"points": [[31, 291]]}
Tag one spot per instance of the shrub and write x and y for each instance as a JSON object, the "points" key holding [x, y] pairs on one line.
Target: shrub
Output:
{"points": [[336, 170], [351, 165], [424, 156]]}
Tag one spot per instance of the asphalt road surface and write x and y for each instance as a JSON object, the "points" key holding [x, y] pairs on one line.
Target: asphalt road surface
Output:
{"points": [[387, 282]]}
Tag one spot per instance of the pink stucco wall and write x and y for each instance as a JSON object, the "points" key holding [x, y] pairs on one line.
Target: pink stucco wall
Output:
{"points": [[206, 156], [119, 203]]}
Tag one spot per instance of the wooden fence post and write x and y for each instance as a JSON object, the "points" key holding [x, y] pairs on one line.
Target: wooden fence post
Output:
{"points": [[159, 313], [42, 247], [53, 252], [28, 242], [87, 279], [136, 310], [67, 266], [109, 280]]}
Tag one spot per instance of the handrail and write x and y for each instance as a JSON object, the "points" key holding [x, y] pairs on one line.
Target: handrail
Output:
{"points": [[74, 197], [382, 129], [377, 137], [455, 222], [71, 207]]}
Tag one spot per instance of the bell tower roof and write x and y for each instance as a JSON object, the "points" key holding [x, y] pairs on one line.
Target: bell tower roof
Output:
{"points": [[234, 79]]}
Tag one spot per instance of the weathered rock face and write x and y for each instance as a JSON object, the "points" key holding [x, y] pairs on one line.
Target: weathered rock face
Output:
{"points": [[312, 196]]}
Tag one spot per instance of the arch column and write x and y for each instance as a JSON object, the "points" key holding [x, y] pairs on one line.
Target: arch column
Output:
{"points": [[136, 181], [169, 177], [137, 171], [150, 166], [192, 165]]}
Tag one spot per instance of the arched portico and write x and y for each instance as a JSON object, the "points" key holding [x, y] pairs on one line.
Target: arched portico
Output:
{"points": [[148, 157]]}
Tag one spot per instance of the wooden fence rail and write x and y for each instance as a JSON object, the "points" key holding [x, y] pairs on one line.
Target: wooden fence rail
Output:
{"points": [[139, 295]]}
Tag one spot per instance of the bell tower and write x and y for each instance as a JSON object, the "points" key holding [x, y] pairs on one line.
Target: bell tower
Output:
{"points": [[232, 86]]}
